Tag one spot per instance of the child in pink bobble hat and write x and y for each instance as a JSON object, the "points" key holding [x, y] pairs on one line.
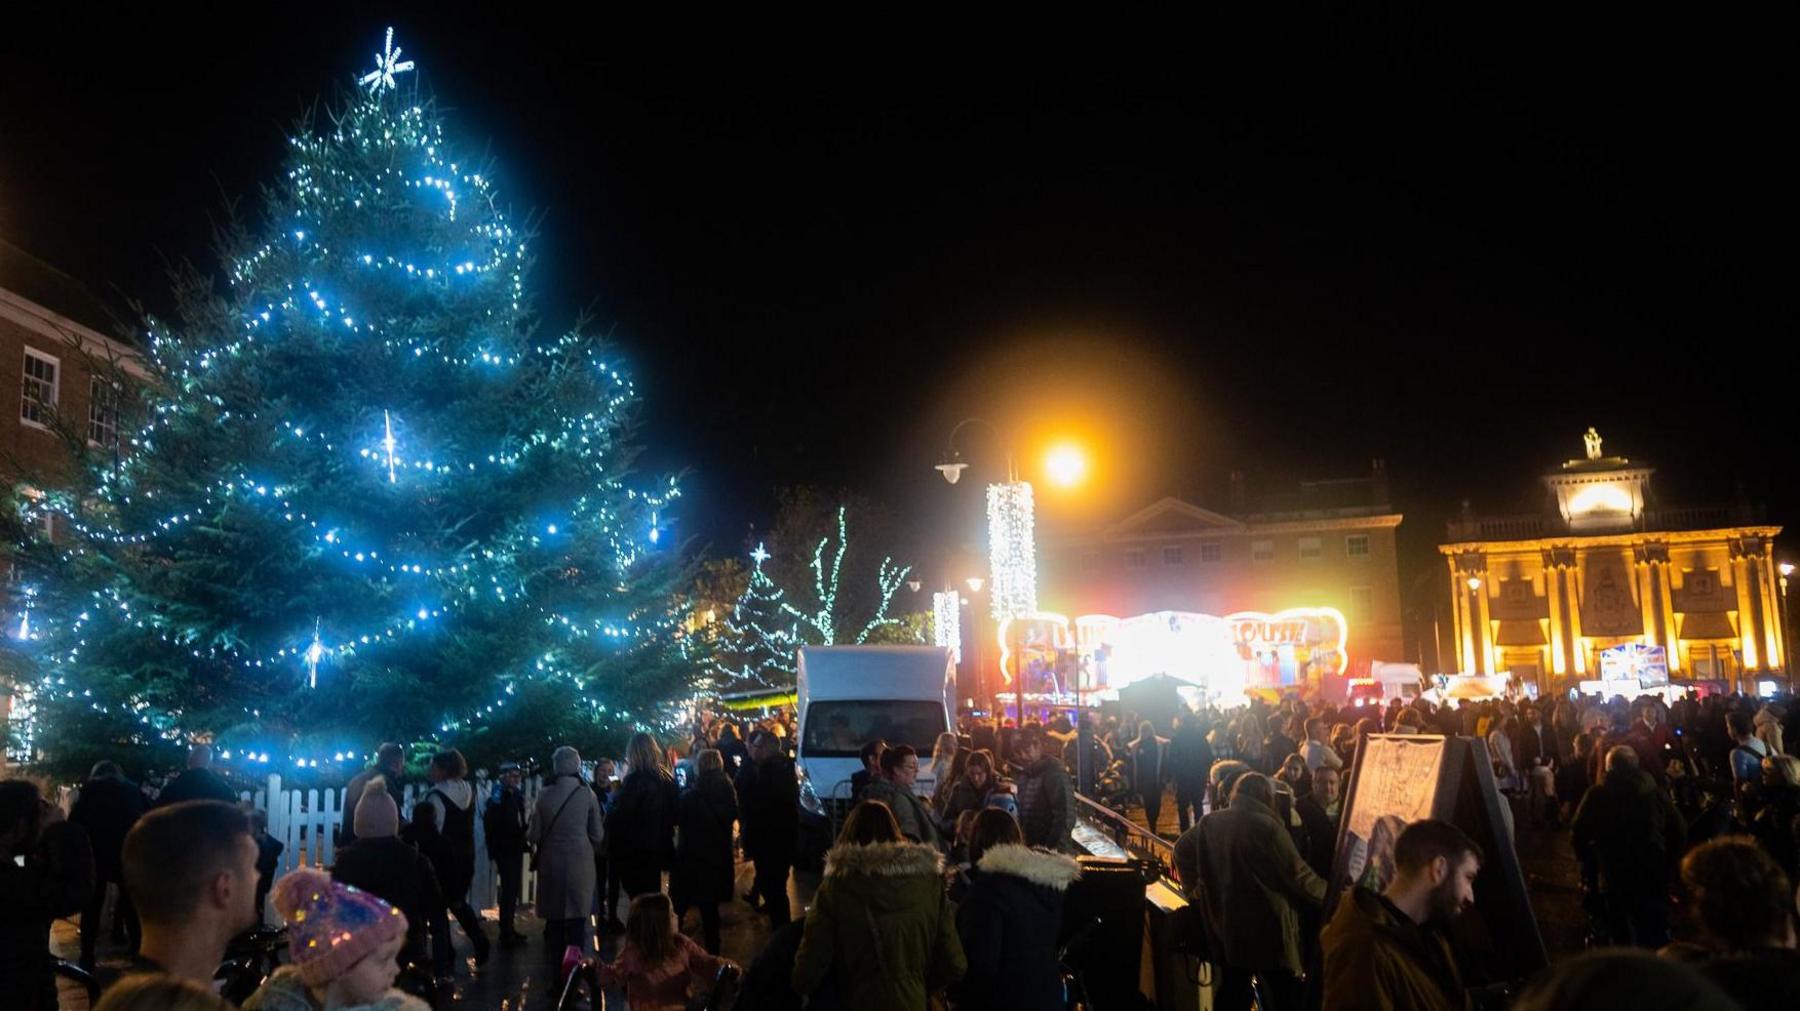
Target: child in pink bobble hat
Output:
{"points": [[343, 942]]}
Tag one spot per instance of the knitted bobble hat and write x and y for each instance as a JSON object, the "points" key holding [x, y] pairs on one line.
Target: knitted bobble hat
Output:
{"points": [[375, 815], [333, 926]]}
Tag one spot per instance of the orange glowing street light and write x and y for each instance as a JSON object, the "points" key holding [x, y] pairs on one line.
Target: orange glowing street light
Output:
{"points": [[1066, 465]]}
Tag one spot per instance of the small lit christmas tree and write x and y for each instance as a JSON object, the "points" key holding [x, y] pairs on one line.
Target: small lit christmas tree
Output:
{"points": [[755, 647], [369, 500]]}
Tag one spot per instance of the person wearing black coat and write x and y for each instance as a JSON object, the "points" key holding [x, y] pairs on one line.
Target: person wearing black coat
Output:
{"points": [[1628, 834], [198, 782], [640, 829], [1147, 771], [381, 863], [107, 808], [1008, 922], [46, 872], [769, 809], [704, 868], [1189, 762], [503, 821], [732, 750]]}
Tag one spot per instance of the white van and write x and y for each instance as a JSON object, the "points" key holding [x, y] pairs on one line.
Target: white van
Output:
{"points": [[850, 695]]}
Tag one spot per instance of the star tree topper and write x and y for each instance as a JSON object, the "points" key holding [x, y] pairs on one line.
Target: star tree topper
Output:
{"points": [[387, 64]]}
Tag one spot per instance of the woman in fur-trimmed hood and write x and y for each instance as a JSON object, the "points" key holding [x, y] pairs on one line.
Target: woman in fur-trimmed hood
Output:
{"points": [[880, 934], [1009, 919]]}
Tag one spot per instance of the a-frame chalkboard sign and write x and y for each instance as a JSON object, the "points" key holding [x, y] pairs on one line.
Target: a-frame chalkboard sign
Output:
{"points": [[1400, 778]]}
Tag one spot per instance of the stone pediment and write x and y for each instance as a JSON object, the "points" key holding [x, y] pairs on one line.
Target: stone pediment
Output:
{"points": [[1172, 516]]}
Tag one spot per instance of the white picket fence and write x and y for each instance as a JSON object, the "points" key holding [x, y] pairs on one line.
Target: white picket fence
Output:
{"points": [[306, 823]]}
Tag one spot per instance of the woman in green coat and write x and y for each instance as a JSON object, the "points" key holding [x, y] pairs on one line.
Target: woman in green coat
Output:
{"points": [[880, 931]]}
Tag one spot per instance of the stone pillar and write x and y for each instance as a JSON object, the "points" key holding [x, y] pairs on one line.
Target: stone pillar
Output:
{"points": [[1577, 654], [1485, 643], [1768, 582], [1671, 634], [1553, 598], [1746, 627]]}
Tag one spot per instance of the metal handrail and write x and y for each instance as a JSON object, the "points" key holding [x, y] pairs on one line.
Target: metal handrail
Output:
{"points": [[1129, 834]]}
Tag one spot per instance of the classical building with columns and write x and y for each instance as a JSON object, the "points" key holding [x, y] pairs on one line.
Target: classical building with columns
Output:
{"points": [[1604, 585]]}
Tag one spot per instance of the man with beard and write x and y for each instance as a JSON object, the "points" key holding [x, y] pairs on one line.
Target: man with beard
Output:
{"points": [[1388, 949]]}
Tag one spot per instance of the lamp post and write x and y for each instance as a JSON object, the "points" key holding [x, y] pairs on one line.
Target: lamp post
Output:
{"points": [[977, 633], [1003, 531]]}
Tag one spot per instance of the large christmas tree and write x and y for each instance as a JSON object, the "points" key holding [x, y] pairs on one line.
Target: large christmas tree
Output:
{"points": [[370, 499]]}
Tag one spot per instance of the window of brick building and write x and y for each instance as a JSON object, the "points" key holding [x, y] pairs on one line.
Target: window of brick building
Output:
{"points": [[1311, 548], [1211, 551], [103, 414], [1262, 551], [1134, 558], [1357, 546], [37, 401], [1362, 603], [1172, 555]]}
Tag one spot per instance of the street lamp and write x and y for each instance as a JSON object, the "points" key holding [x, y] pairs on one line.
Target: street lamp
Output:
{"points": [[1066, 464], [951, 465], [975, 583], [1474, 583]]}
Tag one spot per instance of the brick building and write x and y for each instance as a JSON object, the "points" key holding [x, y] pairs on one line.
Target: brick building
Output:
{"points": [[59, 392]]}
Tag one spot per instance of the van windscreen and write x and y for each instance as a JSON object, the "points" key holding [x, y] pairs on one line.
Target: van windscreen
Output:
{"points": [[839, 728]]}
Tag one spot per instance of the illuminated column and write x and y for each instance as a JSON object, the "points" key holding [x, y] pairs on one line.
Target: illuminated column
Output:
{"points": [[1012, 549], [1465, 629], [1486, 624], [1740, 573], [1646, 602], [1774, 646], [1553, 596], [946, 622], [1667, 598], [1573, 593]]}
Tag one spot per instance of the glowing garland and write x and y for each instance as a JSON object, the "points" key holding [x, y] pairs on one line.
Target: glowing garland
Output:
{"points": [[946, 622], [1012, 550]]}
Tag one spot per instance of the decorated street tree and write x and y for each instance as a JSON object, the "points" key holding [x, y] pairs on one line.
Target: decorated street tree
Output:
{"points": [[371, 499], [756, 643]]}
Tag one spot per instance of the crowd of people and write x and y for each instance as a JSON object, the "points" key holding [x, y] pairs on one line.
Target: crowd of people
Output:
{"points": [[947, 877], [1664, 805]]}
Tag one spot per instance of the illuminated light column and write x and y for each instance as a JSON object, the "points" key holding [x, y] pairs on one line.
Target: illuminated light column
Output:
{"points": [[946, 622], [1012, 550]]}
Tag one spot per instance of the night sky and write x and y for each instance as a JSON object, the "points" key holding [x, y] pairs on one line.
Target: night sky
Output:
{"points": [[1196, 249]]}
